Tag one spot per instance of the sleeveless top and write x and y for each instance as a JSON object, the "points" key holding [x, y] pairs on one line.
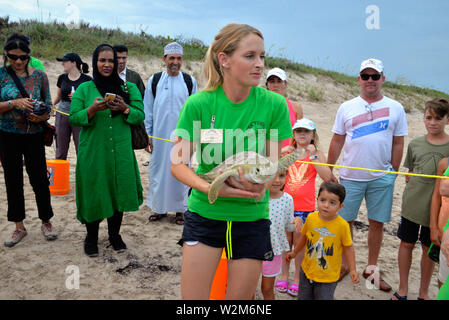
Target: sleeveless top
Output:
{"points": [[293, 119], [300, 184]]}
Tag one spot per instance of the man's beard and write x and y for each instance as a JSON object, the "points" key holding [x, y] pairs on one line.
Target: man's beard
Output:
{"points": [[174, 67]]}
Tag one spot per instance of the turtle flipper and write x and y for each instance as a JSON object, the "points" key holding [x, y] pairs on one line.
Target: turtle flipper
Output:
{"points": [[286, 161], [218, 183]]}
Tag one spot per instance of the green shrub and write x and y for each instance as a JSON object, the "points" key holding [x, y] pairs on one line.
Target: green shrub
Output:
{"points": [[316, 94]]}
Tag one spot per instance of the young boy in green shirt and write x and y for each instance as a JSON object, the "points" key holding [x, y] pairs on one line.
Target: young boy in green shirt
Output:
{"points": [[423, 155]]}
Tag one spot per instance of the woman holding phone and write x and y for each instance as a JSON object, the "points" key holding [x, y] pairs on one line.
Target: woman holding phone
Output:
{"points": [[107, 174]]}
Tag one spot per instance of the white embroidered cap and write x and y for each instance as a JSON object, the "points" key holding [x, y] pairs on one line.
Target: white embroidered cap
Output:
{"points": [[173, 48]]}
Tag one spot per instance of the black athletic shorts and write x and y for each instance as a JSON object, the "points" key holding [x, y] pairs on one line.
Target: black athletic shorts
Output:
{"points": [[241, 239], [408, 231]]}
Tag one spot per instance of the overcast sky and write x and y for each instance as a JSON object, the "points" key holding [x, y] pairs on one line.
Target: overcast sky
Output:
{"points": [[411, 37]]}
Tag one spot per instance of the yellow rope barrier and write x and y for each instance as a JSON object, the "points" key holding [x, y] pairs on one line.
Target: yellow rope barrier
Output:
{"points": [[66, 114], [375, 170], [161, 139], [327, 164]]}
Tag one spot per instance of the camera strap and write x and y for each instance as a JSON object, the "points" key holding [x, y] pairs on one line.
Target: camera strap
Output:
{"points": [[19, 84]]}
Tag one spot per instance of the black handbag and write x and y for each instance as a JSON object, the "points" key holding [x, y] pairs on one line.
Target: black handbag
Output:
{"points": [[139, 136], [49, 131]]}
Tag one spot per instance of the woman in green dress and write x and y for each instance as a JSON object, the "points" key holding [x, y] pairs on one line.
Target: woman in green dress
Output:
{"points": [[107, 174]]}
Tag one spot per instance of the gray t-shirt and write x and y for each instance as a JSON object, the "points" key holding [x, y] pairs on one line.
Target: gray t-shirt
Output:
{"points": [[422, 157]]}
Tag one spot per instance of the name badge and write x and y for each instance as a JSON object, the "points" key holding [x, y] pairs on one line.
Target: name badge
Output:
{"points": [[211, 135]]}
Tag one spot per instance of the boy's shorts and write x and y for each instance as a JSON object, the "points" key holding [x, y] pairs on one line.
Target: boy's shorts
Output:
{"points": [[378, 196], [272, 268], [409, 231], [241, 239], [443, 272], [311, 290], [302, 214]]}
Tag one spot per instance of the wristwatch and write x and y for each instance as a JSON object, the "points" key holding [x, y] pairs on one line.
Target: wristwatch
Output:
{"points": [[126, 111], [10, 104], [315, 156]]}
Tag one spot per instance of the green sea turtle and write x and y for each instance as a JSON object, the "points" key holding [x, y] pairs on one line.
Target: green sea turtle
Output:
{"points": [[256, 168]]}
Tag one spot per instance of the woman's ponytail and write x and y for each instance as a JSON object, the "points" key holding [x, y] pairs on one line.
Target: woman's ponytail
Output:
{"points": [[84, 67]]}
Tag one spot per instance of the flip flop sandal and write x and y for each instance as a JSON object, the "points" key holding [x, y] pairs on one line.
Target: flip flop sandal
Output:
{"points": [[397, 296], [281, 286], [293, 290], [179, 220], [156, 217]]}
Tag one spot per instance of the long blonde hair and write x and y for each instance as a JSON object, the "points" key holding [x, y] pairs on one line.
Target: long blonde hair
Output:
{"points": [[226, 41]]}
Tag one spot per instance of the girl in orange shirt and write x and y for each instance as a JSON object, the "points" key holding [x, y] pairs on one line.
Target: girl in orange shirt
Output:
{"points": [[300, 184]]}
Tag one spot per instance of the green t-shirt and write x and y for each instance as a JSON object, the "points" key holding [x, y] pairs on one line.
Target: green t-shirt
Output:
{"points": [[36, 64], [246, 127], [422, 157]]}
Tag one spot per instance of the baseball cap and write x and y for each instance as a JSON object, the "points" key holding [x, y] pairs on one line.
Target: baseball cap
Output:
{"points": [[304, 123], [372, 63], [71, 56], [278, 72]]}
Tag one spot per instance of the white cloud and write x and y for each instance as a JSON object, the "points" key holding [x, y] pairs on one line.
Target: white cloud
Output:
{"points": [[24, 6]]}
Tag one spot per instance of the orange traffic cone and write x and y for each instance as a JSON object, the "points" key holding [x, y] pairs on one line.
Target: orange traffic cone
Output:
{"points": [[218, 289]]}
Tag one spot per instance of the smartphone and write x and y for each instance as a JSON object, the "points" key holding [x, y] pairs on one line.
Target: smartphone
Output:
{"points": [[109, 97]]}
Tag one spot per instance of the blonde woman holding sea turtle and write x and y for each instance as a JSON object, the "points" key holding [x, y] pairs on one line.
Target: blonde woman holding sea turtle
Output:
{"points": [[232, 114]]}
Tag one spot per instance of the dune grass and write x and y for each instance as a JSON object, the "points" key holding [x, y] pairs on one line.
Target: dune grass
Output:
{"points": [[54, 39]]}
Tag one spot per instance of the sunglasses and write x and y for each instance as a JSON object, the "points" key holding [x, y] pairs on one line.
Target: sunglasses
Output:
{"points": [[15, 57], [375, 76]]}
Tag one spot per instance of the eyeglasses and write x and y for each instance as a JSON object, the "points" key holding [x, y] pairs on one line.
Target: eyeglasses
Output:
{"points": [[375, 76], [15, 57]]}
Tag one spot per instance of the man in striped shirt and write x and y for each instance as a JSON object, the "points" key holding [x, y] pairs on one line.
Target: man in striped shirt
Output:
{"points": [[370, 129]]}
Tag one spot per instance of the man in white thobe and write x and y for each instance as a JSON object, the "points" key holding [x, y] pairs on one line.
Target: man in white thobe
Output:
{"points": [[165, 193]]}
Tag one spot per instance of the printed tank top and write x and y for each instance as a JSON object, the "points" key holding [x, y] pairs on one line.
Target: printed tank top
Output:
{"points": [[300, 184]]}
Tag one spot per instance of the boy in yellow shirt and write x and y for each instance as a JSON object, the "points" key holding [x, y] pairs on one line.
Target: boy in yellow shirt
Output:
{"points": [[325, 235]]}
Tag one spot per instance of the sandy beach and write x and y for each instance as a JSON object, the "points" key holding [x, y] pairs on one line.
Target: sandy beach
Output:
{"points": [[151, 267]]}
